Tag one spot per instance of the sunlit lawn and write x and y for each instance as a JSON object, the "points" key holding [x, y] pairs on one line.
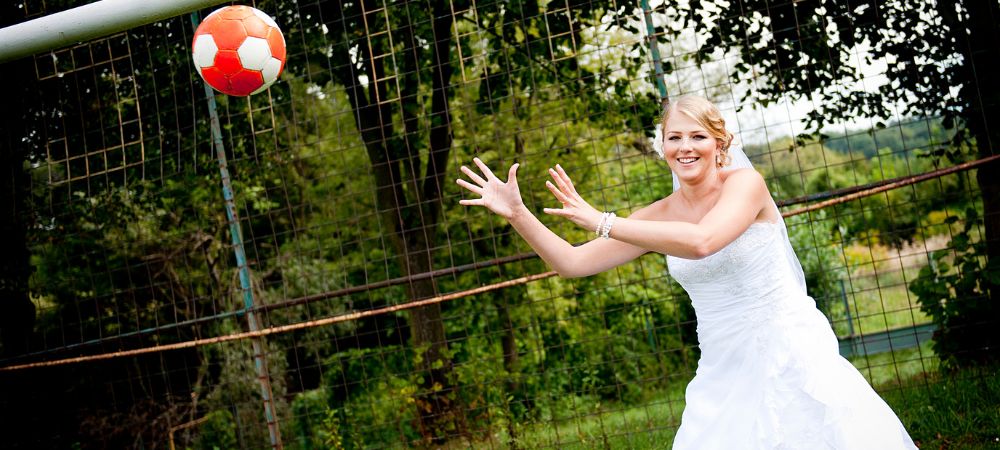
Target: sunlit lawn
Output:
{"points": [[875, 290], [941, 411], [649, 425], [895, 369]]}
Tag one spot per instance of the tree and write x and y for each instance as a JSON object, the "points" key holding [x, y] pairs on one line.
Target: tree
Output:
{"points": [[399, 65], [939, 57]]}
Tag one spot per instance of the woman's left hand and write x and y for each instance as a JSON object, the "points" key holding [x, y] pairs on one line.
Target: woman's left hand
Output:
{"points": [[574, 207]]}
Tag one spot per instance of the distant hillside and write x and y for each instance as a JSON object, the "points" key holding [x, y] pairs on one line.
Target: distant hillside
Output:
{"points": [[915, 134]]}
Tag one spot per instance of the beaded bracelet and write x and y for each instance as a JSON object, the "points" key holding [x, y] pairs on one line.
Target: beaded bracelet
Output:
{"points": [[600, 223], [606, 230]]}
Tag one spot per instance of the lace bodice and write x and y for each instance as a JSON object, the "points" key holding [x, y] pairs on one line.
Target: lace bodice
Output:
{"points": [[744, 283]]}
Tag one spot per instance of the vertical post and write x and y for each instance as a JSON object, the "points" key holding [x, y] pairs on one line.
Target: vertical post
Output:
{"points": [[647, 312], [654, 52], [847, 309], [850, 321], [260, 362]]}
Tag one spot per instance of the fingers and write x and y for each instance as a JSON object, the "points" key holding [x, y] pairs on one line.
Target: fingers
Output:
{"points": [[559, 195], [565, 178], [559, 212], [476, 202], [475, 189], [560, 182], [473, 175], [484, 168]]}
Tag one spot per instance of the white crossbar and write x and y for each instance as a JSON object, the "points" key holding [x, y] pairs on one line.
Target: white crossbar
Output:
{"points": [[88, 22]]}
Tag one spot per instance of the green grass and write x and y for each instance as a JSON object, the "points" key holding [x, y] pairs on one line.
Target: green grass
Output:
{"points": [[940, 410], [649, 425], [953, 410], [897, 368]]}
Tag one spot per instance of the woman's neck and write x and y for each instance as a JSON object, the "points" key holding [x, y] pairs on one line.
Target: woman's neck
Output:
{"points": [[703, 194]]}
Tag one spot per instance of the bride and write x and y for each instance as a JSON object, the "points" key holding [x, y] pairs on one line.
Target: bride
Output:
{"points": [[770, 374]]}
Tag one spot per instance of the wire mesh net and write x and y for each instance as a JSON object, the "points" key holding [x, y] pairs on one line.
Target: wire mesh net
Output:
{"points": [[348, 301]]}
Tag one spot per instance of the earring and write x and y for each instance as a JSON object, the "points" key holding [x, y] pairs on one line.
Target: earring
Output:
{"points": [[722, 159]]}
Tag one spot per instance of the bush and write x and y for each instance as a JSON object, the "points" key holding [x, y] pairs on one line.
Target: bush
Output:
{"points": [[954, 289], [218, 432]]}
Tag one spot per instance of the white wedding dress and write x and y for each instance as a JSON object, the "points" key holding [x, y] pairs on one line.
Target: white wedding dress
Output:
{"points": [[770, 374]]}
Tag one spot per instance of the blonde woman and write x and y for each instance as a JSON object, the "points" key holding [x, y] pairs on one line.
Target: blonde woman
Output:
{"points": [[770, 374]]}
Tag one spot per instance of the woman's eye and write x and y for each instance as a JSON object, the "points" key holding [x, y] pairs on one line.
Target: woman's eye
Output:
{"points": [[673, 138]]}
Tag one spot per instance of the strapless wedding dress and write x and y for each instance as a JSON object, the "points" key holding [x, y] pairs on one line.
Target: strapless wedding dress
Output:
{"points": [[770, 374]]}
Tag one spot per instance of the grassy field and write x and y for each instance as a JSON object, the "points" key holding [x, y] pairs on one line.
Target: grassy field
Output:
{"points": [[875, 289], [893, 370], [954, 410], [596, 425]]}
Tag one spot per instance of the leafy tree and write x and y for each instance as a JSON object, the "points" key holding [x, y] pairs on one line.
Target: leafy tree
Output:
{"points": [[936, 54], [399, 65]]}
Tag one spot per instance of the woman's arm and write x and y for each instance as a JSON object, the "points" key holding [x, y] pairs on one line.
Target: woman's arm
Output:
{"points": [[595, 256], [744, 197], [569, 261]]}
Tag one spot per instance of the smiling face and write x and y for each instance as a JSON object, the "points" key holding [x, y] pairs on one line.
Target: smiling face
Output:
{"points": [[695, 139], [690, 149]]}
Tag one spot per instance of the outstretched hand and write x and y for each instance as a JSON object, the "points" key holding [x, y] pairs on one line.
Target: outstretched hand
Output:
{"points": [[497, 196], [574, 207]]}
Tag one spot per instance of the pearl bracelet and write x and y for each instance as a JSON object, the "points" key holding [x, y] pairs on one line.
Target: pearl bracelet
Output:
{"points": [[606, 225], [600, 224]]}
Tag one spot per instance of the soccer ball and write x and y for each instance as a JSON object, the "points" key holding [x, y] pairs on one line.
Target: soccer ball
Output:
{"points": [[238, 50]]}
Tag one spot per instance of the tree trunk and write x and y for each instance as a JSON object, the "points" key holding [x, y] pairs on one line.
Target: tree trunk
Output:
{"points": [[983, 117], [17, 312], [408, 201], [982, 63], [440, 414]]}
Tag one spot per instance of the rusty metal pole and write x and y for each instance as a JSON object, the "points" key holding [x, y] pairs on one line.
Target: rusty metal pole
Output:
{"points": [[259, 358]]}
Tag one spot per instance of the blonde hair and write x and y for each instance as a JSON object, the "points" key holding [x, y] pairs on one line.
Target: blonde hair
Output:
{"points": [[707, 115]]}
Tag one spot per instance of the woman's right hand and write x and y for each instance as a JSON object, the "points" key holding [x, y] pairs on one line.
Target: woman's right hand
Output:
{"points": [[497, 196]]}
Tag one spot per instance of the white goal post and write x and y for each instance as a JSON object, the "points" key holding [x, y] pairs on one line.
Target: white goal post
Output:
{"points": [[88, 22]]}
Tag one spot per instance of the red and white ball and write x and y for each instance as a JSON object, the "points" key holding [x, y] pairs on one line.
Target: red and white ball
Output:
{"points": [[238, 50]]}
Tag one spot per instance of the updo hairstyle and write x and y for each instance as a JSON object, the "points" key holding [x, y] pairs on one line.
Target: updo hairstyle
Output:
{"points": [[707, 115]]}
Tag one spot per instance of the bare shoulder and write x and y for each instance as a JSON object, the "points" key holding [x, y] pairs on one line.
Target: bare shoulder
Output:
{"points": [[746, 181], [748, 185], [743, 177]]}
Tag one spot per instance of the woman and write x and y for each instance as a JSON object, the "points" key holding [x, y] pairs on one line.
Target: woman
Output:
{"points": [[770, 374]]}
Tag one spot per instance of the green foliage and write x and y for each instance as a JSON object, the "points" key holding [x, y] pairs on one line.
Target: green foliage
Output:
{"points": [[924, 135], [371, 395], [314, 424], [331, 431], [217, 432], [954, 290], [817, 254], [309, 420], [894, 218]]}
